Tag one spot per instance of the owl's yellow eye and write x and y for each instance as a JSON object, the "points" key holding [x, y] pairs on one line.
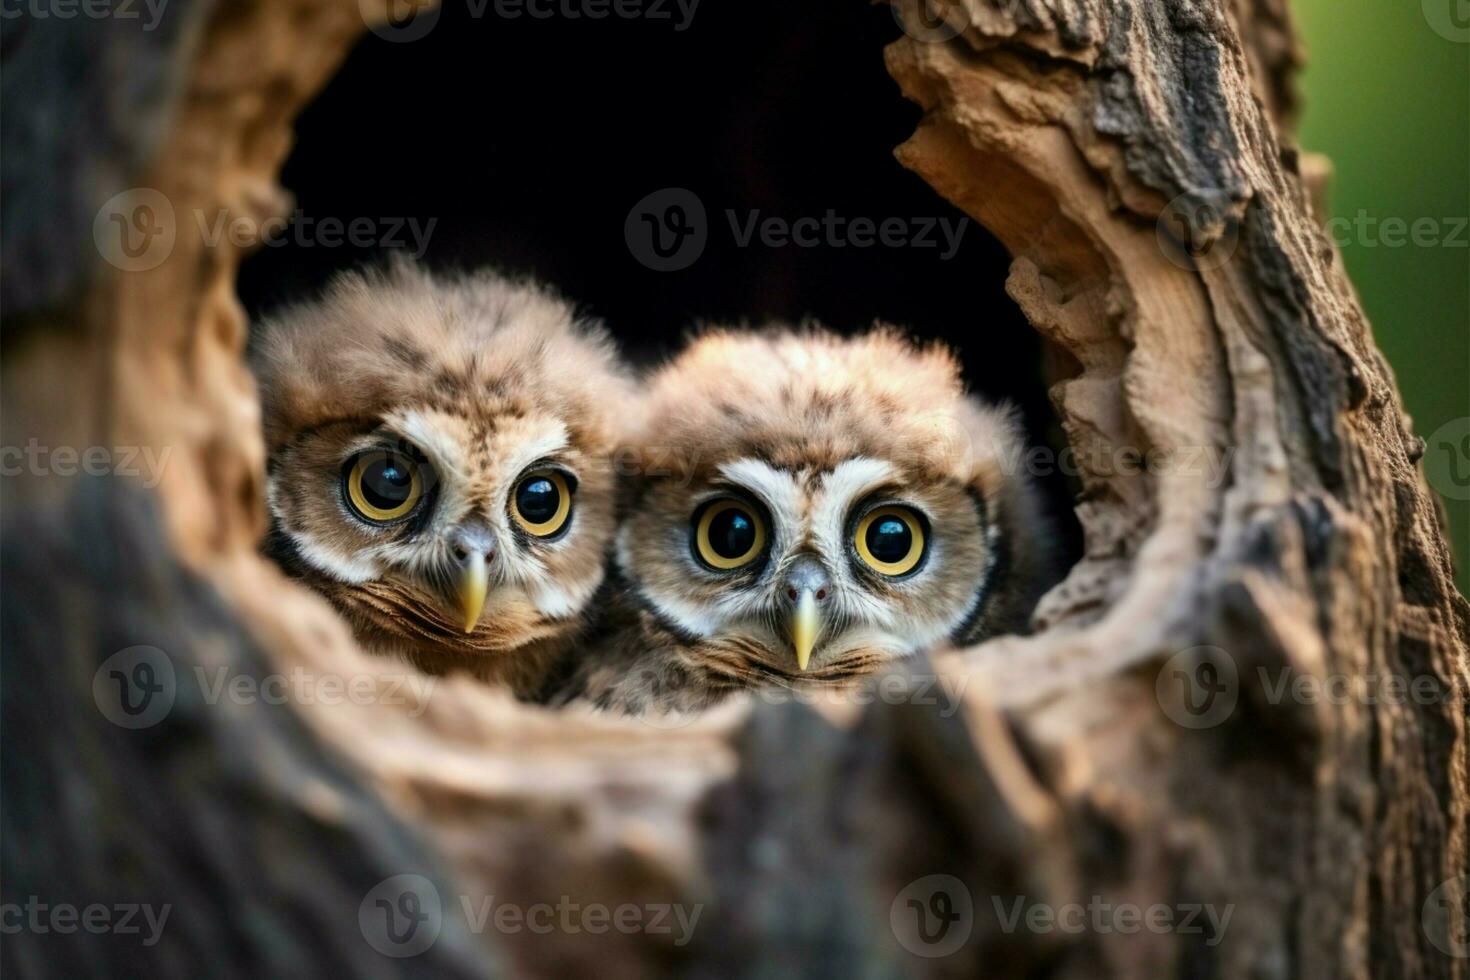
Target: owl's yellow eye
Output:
{"points": [[542, 503], [384, 486], [890, 540], [729, 534]]}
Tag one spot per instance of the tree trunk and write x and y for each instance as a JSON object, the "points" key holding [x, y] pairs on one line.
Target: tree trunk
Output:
{"points": [[1255, 521]]}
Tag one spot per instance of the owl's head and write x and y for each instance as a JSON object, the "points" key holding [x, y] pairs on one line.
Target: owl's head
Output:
{"points": [[439, 455], [813, 506]]}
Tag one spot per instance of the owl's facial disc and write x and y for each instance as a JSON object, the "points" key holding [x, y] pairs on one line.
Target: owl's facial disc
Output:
{"points": [[730, 536], [385, 487], [817, 570], [462, 536], [813, 582], [540, 505], [888, 540]]}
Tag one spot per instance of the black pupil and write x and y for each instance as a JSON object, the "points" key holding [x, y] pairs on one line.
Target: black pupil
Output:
{"points": [[889, 540], [732, 533], [387, 482], [538, 500]]}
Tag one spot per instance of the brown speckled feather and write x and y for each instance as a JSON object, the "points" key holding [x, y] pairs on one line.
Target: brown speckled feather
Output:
{"points": [[813, 431], [479, 381]]}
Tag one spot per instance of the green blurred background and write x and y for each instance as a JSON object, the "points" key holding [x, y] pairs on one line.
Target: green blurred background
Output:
{"points": [[1387, 98]]}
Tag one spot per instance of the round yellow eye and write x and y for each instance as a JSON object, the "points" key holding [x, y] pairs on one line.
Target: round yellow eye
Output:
{"points": [[542, 503], [728, 535], [383, 486], [890, 540]]}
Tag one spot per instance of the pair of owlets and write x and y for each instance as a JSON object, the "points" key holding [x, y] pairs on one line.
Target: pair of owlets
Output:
{"points": [[467, 471]]}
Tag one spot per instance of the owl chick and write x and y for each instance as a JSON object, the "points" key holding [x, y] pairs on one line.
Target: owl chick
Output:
{"points": [[439, 464], [809, 509]]}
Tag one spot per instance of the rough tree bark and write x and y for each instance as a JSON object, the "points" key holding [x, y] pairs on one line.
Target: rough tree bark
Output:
{"points": [[1136, 158]]}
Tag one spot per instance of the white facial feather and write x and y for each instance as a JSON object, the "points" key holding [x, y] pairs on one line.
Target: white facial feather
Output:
{"points": [[803, 521]]}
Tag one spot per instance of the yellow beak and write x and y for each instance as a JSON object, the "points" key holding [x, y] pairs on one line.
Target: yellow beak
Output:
{"points": [[805, 627], [474, 581]]}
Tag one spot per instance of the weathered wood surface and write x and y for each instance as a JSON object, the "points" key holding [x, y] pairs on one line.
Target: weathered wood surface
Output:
{"points": [[1063, 766]]}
